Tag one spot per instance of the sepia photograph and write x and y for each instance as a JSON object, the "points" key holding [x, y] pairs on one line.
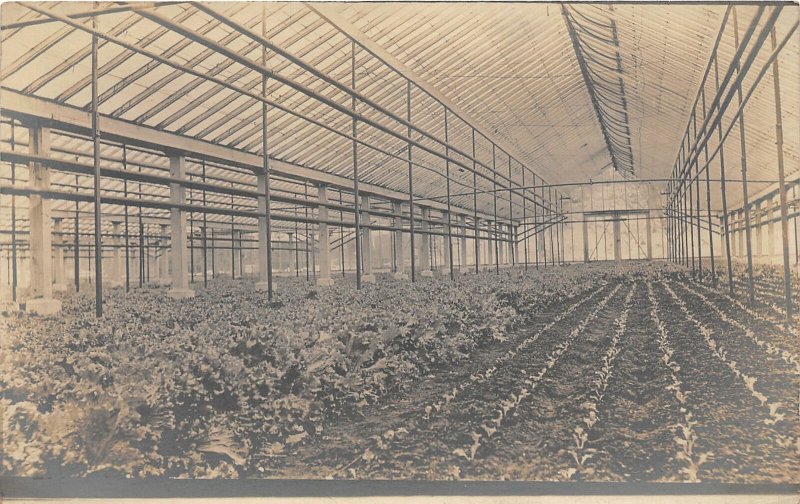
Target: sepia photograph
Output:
{"points": [[306, 249]]}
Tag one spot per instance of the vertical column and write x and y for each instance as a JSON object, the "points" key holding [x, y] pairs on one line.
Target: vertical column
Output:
{"points": [[115, 276], [159, 276], [490, 245], [324, 278], [399, 260], [162, 264], [264, 265], [463, 244], [759, 231], [649, 238], [447, 253], [41, 280], [477, 244], [366, 243], [617, 240], [59, 264], [98, 237], [541, 243], [511, 245], [787, 279], [723, 191], [770, 230], [265, 206], [585, 238], [500, 241], [741, 233], [738, 234], [743, 149], [178, 229], [425, 244]]}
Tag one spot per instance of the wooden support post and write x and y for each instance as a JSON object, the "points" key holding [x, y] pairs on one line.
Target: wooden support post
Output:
{"points": [[59, 264], [399, 260], [264, 260], [366, 243], [409, 148], [179, 274], [115, 278], [265, 205], [585, 238], [41, 299], [162, 257], [448, 252], [745, 197], [425, 244], [356, 212], [787, 278], [98, 240], [463, 244], [127, 223], [476, 222], [770, 248], [324, 278], [759, 229]]}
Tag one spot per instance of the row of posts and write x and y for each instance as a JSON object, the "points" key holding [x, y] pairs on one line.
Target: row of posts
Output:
{"points": [[48, 266], [684, 206]]}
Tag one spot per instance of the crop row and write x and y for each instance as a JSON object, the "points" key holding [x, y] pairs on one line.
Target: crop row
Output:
{"points": [[580, 452], [721, 353], [508, 405], [431, 408], [685, 434], [771, 349]]}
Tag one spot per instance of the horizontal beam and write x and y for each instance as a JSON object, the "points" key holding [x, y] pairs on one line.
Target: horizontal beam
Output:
{"points": [[19, 190], [31, 109], [164, 180], [622, 211]]}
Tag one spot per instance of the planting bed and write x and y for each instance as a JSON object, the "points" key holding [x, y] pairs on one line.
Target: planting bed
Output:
{"points": [[768, 286], [590, 372]]}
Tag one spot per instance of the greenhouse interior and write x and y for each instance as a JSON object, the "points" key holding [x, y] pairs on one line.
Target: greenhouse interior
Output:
{"points": [[393, 240]]}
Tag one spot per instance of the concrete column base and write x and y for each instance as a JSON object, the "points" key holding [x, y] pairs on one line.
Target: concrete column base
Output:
{"points": [[59, 288], [325, 282], [399, 276], [43, 306], [180, 293], [427, 273], [367, 278]]}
